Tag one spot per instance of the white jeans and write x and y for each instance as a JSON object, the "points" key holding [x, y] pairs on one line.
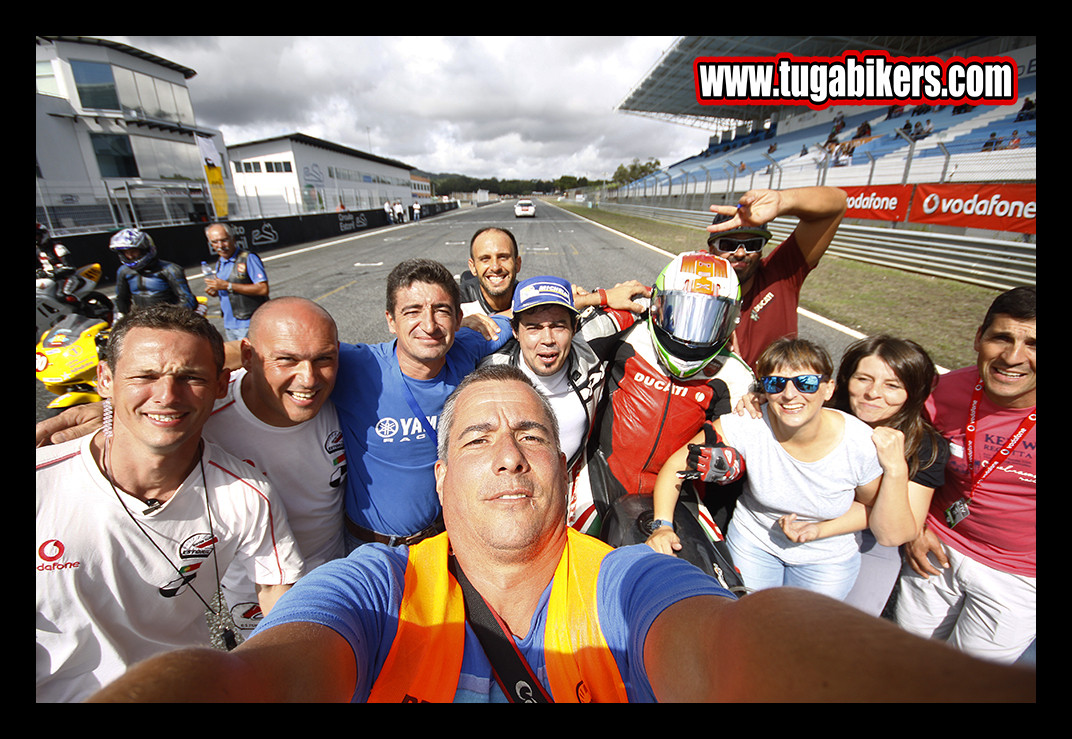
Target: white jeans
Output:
{"points": [[977, 609]]}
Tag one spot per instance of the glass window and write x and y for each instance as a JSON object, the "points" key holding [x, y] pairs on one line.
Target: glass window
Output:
{"points": [[95, 85], [115, 158], [127, 91], [183, 105], [164, 93], [46, 79], [147, 95]]}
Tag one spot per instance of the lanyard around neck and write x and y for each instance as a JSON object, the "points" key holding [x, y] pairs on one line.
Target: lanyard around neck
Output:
{"points": [[986, 468], [414, 406]]}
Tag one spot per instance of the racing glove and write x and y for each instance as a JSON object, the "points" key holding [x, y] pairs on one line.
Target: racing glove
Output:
{"points": [[713, 461]]}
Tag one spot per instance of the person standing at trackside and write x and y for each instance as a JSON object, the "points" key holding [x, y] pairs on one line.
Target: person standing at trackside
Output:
{"points": [[143, 278], [137, 523], [240, 281], [770, 286], [978, 591]]}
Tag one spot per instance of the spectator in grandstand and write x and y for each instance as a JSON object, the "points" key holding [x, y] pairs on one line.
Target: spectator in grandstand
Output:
{"points": [[805, 466], [389, 624], [978, 591], [992, 143], [1014, 140], [1027, 110], [770, 286]]}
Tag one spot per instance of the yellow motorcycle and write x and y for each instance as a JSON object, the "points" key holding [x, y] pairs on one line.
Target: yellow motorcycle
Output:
{"points": [[67, 357]]}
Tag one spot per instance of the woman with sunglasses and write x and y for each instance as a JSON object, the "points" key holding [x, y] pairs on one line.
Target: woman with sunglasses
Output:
{"points": [[805, 461]]}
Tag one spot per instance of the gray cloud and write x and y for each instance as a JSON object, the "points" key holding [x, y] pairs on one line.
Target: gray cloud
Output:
{"points": [[525, 107]]}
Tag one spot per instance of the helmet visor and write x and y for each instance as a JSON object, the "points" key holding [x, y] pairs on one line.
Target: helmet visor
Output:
{"points": [[130, 256], [694, 318]]}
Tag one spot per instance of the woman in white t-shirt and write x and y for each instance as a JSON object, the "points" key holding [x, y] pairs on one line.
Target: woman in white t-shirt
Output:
{"points": [[806, 464]]}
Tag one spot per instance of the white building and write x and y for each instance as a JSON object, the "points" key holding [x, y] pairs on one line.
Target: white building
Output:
{"points": [[118, 142], [296, 173]]}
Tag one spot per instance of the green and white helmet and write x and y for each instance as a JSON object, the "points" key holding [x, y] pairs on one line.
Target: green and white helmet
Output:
{"points": [[695, 306]]}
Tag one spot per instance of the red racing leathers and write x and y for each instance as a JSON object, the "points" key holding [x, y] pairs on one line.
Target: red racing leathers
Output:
{"points": [[646, 414]]}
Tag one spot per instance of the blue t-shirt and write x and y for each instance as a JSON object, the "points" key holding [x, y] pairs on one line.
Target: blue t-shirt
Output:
{"points": [[390, 483], [224, 267], [359, 598]]}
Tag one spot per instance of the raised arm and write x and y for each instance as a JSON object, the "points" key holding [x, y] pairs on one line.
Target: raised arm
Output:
{"points": [[819, 210]]}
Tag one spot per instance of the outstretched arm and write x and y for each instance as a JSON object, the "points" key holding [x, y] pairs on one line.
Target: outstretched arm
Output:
{"points": [[792, 645], [288, 663]]}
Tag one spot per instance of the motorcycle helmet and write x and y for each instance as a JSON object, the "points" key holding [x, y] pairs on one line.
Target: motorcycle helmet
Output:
{"points": [[134, 248], [695, 306]]}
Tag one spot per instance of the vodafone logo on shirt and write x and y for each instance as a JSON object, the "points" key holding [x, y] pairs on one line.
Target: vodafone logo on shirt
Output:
{"points": [[50, 554]]}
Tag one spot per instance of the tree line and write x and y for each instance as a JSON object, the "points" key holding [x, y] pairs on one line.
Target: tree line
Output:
{"points": [[447, 183]]}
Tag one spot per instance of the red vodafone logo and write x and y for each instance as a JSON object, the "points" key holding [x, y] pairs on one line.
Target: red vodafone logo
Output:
{"points": [[51, 550]]}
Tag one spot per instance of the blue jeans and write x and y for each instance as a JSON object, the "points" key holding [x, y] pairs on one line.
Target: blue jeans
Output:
{"points": [[761, 569]]}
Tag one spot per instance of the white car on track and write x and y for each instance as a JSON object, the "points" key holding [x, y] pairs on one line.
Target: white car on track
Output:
{"points": [[524, 208]]}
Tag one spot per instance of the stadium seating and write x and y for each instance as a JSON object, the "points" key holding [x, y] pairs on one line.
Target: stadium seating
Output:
{"points": [[953, 151]]}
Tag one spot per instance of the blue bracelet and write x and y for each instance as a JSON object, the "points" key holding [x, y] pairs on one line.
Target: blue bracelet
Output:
{"points": [[659, 523]]}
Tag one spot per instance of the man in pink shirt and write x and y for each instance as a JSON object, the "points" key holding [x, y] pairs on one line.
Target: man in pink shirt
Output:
{"points": [[981, 526]]}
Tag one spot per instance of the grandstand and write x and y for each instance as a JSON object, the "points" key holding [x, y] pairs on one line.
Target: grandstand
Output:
{"points": [[791, 146]]}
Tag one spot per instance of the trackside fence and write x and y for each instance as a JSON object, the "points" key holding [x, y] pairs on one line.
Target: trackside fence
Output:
{"points": [[992, 263]]}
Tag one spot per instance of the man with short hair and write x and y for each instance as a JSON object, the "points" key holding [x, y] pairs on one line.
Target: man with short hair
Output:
{"points": [[494, 264], [239, 280], [137, 523], [589, 623], [981, 526], [389, 396]]}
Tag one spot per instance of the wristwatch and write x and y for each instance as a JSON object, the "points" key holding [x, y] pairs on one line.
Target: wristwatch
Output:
{"points": [[658, 523]]}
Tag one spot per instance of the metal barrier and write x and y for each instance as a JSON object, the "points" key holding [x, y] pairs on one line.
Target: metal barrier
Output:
{"points": [[992, 263]]}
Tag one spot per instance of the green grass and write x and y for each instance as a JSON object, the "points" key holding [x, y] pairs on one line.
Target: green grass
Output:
{"points": [[942, 315]]}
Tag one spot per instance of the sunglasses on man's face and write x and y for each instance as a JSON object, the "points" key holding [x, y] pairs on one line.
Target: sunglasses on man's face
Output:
{"points": [[728, 245], [804, 383]]}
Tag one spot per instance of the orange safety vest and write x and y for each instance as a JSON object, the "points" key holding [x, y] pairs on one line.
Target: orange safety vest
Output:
{"points": [[425, 660]]}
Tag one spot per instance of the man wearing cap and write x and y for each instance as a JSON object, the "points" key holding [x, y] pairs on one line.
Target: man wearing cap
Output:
{"points": [[770, 286], [565, 353]]}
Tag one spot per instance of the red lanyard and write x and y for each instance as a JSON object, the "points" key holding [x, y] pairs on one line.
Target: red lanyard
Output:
{"points": [[969, 440]]}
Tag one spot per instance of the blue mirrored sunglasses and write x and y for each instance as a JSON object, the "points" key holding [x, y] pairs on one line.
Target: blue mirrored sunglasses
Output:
{"points": [[805, 383]]}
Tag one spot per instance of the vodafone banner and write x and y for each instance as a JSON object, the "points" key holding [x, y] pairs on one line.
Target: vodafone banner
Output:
{"points": [[879, 202], [994, 207]]}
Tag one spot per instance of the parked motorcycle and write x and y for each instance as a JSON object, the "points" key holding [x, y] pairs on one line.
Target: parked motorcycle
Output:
{"points": [[67, 357], [69, 291]]}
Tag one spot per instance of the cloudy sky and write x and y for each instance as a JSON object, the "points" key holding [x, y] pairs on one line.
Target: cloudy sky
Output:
{"points": [[521, 107]]}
